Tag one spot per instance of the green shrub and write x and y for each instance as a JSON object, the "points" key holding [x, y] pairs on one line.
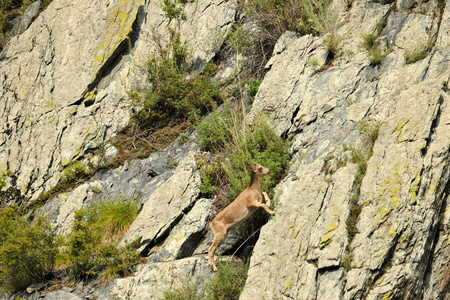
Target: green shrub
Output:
{"points": [[27, 250], [240, 40], [261, 145], [73, 174], [174, 95], [93, 242], [313, 63], [226, 135], [332, 46], [228, 282], [187, 291], [3, 176], [215, 132], [369, 134], [174, 9], [376, 54], [253, 86], [211, 175], [118, 261]]}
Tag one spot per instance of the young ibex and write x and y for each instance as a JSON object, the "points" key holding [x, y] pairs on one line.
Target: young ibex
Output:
{"points": [[240, 209]]}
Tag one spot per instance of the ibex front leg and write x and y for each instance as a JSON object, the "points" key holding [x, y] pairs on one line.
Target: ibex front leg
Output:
{"points": [[266, 197], [263, 206]]}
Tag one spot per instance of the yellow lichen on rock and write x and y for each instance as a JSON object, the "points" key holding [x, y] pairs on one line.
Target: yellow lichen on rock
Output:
{"points": [[118, 26], [326, 238]]}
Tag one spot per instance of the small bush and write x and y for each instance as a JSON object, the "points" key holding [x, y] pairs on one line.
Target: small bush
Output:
{"points": [[313, 63], [27, 250], [211, 175], [74, 174], [228, 282], [118, 261], [174, 9], [262, 145], [240, 40], [370, 130], [3, 176], [332, 46], [174, 95], [216, 131], [187, 291], [253, 86], [92, 245]]}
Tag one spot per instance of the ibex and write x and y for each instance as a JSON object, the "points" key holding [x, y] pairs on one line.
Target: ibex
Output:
{"points": [[240, 209]]}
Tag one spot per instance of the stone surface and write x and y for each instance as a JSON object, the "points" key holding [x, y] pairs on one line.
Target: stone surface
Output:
{"points": [[166, 205], [305, 250], [28, 16], [64, 80], [185, 237], [152, 279], [315, 246]]}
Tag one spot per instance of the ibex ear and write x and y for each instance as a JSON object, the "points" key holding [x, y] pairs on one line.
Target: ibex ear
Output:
{"points": [[249, 166]]}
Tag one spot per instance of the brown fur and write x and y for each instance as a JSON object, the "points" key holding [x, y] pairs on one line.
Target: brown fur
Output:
{"points": [[240, 209]]}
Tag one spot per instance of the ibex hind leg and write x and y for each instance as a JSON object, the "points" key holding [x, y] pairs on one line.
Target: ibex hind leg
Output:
{"points": [[219, 234]]}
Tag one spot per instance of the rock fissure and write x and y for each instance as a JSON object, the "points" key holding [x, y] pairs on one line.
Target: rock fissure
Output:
{"points": [[433, 126], [164, 232]]}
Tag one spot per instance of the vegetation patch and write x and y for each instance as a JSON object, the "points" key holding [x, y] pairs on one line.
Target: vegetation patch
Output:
{"points": [[92, 248], [274, 17], [73, 174], [231, 142], [333, 51], [30, 251], [227, 284], [376, 54], [414, 54], [27, 250], [369, 131], [174, 102], [227, 136]]}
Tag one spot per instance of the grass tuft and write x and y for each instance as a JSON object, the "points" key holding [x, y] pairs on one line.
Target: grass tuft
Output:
{"points": [[92, 246], [415, 54]]}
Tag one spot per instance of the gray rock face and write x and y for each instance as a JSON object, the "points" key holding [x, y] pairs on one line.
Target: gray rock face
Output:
{"points": [[363, 212], [306, 250], [153, 279], [64, 80], [28, 16], [167, 204]]}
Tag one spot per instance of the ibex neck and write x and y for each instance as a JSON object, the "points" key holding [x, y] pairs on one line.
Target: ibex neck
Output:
{"points": [[255, 182]]}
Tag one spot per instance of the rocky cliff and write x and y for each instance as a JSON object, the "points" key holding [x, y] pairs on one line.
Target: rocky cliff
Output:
{"points": [[362, 212]]}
